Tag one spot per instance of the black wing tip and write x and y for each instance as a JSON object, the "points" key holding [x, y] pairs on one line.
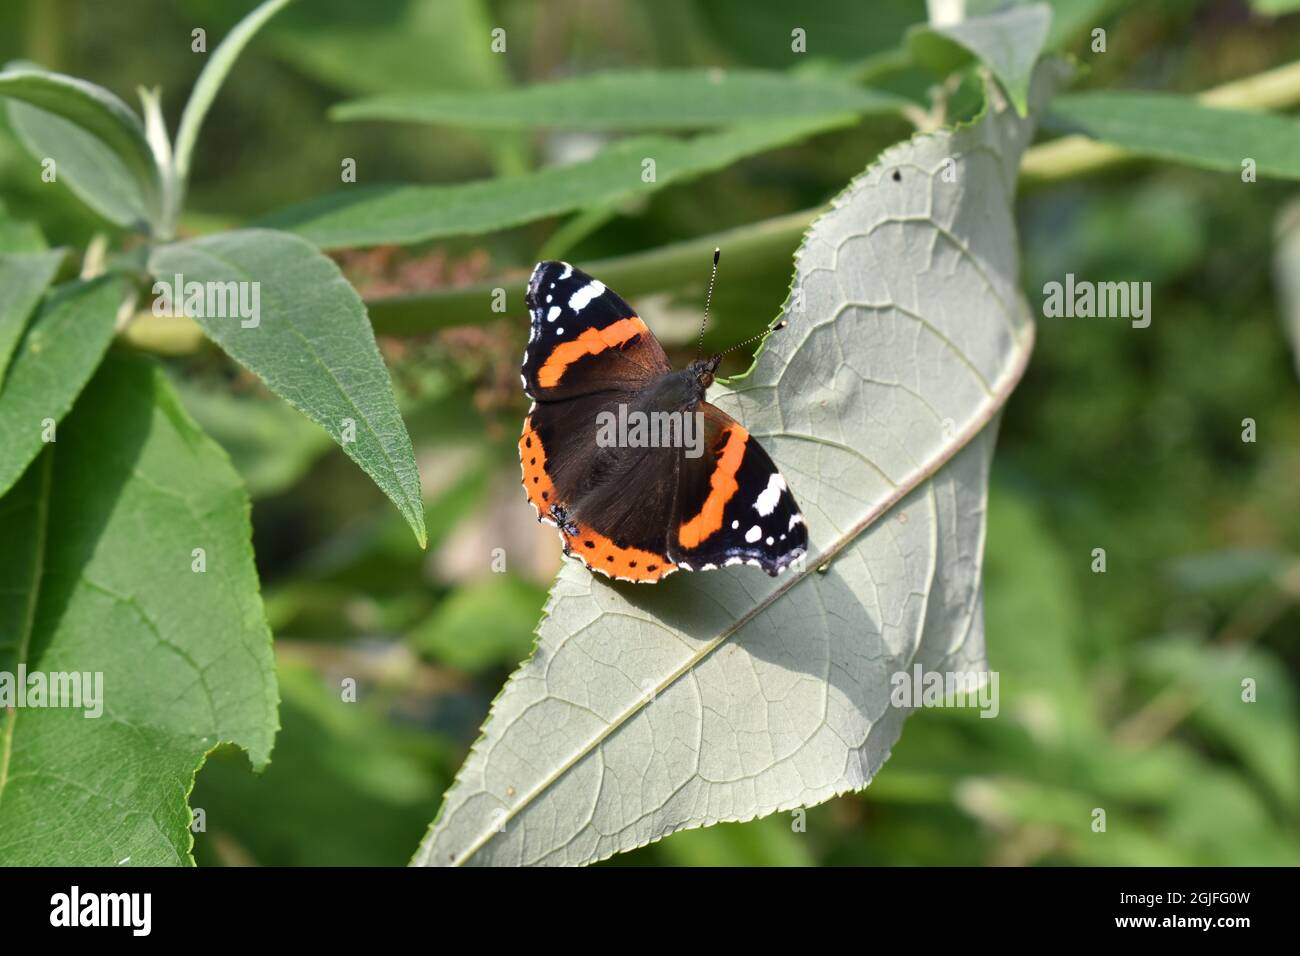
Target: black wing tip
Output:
{"points": [[549, 267]]}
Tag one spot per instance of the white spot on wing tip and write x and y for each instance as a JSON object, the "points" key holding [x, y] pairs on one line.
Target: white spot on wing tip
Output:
{"points": [[583, 297]]}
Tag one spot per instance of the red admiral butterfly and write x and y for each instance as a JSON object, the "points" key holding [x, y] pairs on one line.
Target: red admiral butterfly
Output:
{"points": [[638, 510]]}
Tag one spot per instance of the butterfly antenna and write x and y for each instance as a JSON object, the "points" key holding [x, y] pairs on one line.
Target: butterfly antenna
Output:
{"points": [[708, 300], [761, 335]]}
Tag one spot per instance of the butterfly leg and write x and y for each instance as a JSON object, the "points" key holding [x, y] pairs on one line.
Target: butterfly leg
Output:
{"points": [[562, 521]]}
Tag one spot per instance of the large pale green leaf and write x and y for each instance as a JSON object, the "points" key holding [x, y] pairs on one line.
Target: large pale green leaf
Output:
{"points": [[634, 100], [97, 559], [368, 216], [23, 279], [51, 365], [98, 143], [728, 695], [1171, 127], [311, 343], [1069, 17], [1007, 42]]}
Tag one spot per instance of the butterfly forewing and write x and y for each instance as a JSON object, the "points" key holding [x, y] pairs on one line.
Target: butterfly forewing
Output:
{"points": [[583, 338]]}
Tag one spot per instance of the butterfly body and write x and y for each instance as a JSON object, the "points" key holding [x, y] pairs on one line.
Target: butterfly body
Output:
{"points": [[684, 487]]}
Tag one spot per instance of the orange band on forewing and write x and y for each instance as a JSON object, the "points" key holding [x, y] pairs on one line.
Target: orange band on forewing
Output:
{"points": [[590, 342], [722, 486]]}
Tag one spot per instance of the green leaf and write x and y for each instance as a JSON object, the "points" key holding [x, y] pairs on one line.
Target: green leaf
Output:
{"points": [[310, 342], [23, 280], [209, 82], [1007, 42], [90, 170], [51, 365], [97, 558], [478, 625], [634, 100], [727, 695], [58, 109], [368, 216], [1169, 127]]}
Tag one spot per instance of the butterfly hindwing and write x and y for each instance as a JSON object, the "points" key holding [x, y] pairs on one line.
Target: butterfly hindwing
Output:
{"points": [[601, 499], [733, 505], [583, 338]]}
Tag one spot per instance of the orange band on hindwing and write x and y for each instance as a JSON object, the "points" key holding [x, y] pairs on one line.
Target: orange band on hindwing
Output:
{"points": [[601, 554], [537, 483], [597, 551], [722, 487], [590, 342]]}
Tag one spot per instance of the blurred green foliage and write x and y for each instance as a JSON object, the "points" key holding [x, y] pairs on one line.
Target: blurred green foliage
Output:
{"points": [[1119, 690]]}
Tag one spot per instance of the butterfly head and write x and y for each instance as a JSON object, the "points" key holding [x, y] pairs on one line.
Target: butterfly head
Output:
{"points": [[702, 370]]}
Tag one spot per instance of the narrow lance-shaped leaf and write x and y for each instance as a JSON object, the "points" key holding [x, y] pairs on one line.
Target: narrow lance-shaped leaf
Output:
{"points": [[1170, 127], [214, 73], [51, 365], [633, 100], [407, 214], [283, 310], [96, 138], [1008, 42], [130, 586], [728, 695], [23, 280]]}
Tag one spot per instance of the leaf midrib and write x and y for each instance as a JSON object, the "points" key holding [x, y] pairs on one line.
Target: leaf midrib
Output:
{"points": [[923, 473]]}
